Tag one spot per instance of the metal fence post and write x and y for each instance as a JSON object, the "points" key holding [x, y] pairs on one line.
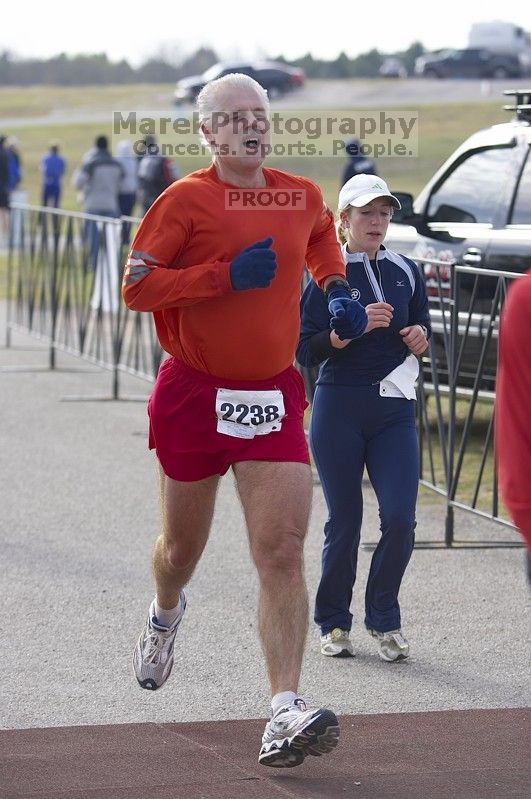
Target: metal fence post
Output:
{"points": [[54, 291], [452, 359], [116, 313], [9, 283]]}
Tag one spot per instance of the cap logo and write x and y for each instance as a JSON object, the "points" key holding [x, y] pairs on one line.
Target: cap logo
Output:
{"points": [[377, 186]]}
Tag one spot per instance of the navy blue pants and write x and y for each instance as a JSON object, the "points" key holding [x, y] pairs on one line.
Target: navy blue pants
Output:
{"points": [[352, 427], [51, 194]]}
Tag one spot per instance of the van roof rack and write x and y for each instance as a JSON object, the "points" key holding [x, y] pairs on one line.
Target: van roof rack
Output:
{"points": [[522, 103]]}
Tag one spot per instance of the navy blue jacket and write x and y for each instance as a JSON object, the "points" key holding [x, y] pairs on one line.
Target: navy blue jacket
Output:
{"points": [[369, 358]]}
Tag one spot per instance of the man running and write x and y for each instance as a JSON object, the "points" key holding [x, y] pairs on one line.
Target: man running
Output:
{"points": [[218, 260]]}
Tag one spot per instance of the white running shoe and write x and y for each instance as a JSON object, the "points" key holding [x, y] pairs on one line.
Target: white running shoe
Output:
{"points": [[391, 645], [295, 732], [153, 655], [337, 644]]}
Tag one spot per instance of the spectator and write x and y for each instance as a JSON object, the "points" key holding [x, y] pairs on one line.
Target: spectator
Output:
{"points": [[99, 178], [128, 189], [15, 164], [513, 391], [53, 167], [4, 188], [357, 162], [155, 173]]}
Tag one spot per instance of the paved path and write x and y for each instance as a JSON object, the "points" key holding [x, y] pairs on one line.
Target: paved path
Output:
{"points": [[78, 509]]}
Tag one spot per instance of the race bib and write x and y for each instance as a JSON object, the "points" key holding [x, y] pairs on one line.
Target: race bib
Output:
{"points": [[246, 414]]}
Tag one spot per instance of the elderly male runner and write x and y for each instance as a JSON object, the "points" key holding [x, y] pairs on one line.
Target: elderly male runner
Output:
{"points": [[223, 282]]}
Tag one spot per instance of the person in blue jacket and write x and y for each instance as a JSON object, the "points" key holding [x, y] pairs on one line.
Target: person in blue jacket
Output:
{"points": [[53, 167], [363, 415]]}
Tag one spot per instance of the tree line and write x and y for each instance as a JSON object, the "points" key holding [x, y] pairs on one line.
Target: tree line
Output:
{"points": [[97, 69]]}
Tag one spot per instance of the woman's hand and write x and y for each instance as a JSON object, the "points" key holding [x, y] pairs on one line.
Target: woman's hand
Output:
{"points": [[379, 314], [414, 338]]}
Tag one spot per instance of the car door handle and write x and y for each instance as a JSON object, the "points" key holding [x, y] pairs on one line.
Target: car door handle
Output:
{"points": [[472, 256]]}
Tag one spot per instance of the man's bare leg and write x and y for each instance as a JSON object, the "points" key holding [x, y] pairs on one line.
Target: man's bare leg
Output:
{"points": [[276, 499], [186, 510]]}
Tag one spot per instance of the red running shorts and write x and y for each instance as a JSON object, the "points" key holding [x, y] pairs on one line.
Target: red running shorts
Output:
{"points": [[186, 408]]}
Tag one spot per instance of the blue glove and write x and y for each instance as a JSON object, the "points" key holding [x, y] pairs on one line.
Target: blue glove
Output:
{"points": [[349, 317], [254, 267]]}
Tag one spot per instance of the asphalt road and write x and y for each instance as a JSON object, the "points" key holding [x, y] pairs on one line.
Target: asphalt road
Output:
{"points": [[78, 500], [388, 93], [384, 94]]}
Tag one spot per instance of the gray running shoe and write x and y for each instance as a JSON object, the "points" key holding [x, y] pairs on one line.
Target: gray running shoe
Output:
{"points": [[337, 644], [295, 732], [153, 655], [391, 645]]}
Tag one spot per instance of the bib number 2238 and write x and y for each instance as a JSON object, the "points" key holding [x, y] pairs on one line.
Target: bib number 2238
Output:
{"points": [[246, 414]]}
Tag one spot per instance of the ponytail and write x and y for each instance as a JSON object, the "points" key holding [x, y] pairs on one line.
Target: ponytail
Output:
{"points": [[339, 227], [340, 232]]}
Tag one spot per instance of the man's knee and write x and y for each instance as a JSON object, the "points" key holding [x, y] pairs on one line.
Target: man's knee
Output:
{"points": [[182, 554], [282, 553]]}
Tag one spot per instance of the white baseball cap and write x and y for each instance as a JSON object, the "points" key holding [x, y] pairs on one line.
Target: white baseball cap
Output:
{"points": [[362, 189]]}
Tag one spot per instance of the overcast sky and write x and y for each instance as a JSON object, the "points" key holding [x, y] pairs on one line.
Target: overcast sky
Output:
{"points": [[137, 30]]}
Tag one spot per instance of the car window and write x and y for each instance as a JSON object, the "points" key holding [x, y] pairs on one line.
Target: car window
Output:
{"points": [[471, 193], [521, 214]]}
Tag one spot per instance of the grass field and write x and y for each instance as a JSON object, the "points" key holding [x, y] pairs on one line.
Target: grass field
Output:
{"points": [[75, 116]]}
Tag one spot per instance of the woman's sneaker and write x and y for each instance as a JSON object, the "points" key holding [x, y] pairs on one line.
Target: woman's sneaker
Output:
{"points": [[295, 732], [337, 644], [391, 645], [153, 655]]}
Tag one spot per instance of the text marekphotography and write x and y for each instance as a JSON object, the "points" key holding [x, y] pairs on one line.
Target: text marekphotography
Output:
{"points": [[381, 134]]}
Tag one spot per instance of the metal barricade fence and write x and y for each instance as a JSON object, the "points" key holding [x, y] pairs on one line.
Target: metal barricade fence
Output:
{"points": [[456, 393], [64, 286], [458, 376]]}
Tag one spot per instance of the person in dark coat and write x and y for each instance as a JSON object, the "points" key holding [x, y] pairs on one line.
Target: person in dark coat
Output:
{"points": [[357, 162]]}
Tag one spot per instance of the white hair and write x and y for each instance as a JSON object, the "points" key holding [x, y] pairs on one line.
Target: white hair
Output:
{"points": [[209, 99]]}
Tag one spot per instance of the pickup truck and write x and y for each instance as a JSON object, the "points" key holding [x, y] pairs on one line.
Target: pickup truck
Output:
{"points": [[475, 211]]}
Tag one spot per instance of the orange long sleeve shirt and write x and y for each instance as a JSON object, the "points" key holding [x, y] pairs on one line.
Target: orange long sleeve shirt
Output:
{"points": [[187, 241], [513, 396]]}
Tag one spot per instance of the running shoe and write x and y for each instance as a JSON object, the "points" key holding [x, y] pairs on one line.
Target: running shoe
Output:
{"points": [[337, 644], [295, 732], [153, 655], [392, 645]]}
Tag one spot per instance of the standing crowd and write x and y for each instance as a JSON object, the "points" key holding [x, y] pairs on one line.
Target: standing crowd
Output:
{"points": [[107, 185]]}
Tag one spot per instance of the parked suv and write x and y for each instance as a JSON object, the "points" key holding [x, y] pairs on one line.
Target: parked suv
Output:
{"points": [[476, 211], [275, 77], [469, 63]]}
